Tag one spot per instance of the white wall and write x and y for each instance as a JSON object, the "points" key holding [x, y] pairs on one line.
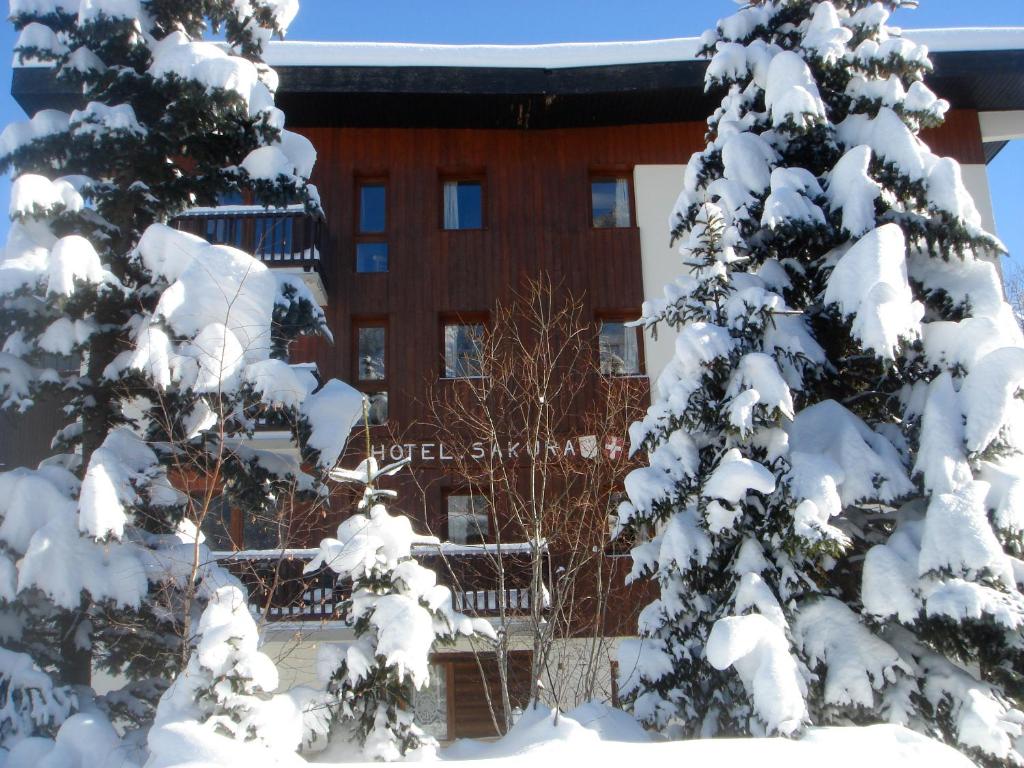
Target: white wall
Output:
{"points": [[655, 189], [995, 126], [976, 181], [293, 647]]}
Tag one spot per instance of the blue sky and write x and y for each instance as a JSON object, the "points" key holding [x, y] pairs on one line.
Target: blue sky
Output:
{"points": [[542, 21]]}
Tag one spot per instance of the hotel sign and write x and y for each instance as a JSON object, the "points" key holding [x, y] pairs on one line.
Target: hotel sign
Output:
{"points": [[583, 447]]}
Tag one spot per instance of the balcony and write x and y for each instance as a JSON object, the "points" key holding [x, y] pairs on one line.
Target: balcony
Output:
{"points": [[282, 238], [279, 591]]}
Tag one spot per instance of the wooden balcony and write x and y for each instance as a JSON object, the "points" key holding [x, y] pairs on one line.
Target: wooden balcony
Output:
{"points": [[279, 591], [283, 238]]}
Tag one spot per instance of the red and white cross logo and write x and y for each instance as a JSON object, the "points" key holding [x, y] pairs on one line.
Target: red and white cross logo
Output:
{"points": [[614, 447]]}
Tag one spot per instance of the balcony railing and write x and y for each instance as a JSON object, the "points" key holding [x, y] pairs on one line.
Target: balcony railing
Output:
{"points": [[279, 591], [282, 237]]}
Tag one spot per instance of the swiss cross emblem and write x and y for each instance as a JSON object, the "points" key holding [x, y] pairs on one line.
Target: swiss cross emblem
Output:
{"points": [[614, 447]]}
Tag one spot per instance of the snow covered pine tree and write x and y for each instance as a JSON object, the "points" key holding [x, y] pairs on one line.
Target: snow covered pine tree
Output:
{"points": [[399, 613], [224, 697], [835, 452], [179, 342]]}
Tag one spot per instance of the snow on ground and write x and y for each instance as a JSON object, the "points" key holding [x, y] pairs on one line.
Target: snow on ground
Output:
{"points": [[596, 735], [613, 740]]}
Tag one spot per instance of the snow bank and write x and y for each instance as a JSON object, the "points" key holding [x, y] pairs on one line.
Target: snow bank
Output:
{"points": [[84, 741], [543, 729], [595, 734]]}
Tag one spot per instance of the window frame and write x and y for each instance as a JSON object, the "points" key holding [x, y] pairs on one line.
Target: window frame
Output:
{"points": [[471, 177], [247, 519], [360, 237], [237, 521], [359, 324], [387, 396], [622, 317], [458, 319], [612, 174], [372, 386], [622, 545], [235, 528], [471, 492]]}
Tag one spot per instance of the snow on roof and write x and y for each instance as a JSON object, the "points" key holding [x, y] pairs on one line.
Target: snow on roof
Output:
{"points": [[298, 53], [949, 40], [290, 53], [548, 56]]}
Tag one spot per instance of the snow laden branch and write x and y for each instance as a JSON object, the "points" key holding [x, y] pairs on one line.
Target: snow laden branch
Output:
{"points": [[222, 705], [834, 454]]}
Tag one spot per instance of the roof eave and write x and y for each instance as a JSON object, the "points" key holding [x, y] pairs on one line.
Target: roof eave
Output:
{"points": [[502, 97]]}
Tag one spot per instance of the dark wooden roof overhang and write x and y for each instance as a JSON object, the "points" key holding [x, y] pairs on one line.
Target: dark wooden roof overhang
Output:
{"points": [[483, 97]]}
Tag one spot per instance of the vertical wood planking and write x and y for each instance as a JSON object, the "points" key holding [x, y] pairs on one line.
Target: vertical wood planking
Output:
{"points": [[537, 220]]}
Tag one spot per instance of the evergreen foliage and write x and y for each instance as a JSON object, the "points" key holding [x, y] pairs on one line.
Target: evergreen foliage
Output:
{"points": [[163, 350], [398, 613], [830, 507]]}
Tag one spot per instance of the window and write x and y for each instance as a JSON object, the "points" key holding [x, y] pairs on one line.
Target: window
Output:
{"points": [[224, 231], [378, 408], [218, 524], [371, 340], [372, 209], [263, 530], [619, 542], [231, 197], [371, 232], [609, 202], [462, 350], [63, 364], [430, 703], [273, 236], [619, 347], [227, 529], [370, 348], [371, 257], [463, 204], [224, 228], [469, 517]]}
